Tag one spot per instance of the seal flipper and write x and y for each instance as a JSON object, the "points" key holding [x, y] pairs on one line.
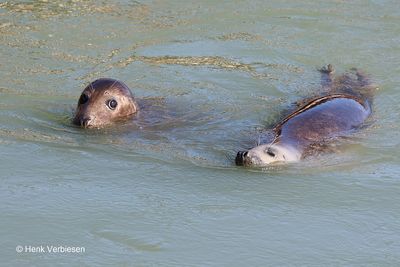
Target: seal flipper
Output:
{"points": [[327, 84], [366, 87], [355, 83], [327, 76], [362, 78]]}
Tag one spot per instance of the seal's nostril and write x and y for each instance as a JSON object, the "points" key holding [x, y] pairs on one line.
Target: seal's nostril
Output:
{"points": [[239, 160], [85, 121]]}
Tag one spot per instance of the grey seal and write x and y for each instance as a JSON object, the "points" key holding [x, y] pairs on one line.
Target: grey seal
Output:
{"points": [[343, 107]]}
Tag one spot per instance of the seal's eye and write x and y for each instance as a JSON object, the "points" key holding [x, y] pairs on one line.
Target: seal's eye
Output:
{"points": [[269, 152], [112, 104], [83, 99]]}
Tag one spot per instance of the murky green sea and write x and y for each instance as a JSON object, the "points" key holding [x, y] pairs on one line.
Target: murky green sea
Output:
{"points": [[163, 190]]}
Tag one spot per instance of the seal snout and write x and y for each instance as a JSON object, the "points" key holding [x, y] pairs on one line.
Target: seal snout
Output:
{"points": [[85, 122], [240, 158]]}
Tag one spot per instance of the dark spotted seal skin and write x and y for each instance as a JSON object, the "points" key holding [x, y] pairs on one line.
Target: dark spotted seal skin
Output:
{"points": [[104, 102], [344, 107]]}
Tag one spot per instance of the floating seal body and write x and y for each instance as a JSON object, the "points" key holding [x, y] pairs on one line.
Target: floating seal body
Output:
{"points": [[345, 107], [104, 102]]}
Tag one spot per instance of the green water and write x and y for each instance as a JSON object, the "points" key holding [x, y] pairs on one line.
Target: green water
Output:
{"points": [[164, 191]]}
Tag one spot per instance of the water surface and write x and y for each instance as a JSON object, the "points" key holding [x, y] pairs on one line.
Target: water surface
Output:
{"points": [[165, 192]]}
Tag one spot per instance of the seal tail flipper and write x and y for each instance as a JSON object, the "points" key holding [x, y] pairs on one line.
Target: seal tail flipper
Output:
{"points": [[366, 88], [362, 77], [355, 83], [327, 76]]}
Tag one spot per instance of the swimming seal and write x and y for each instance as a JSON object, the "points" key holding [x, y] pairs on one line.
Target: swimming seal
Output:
{"points": [[104, 102], [344, 107]]}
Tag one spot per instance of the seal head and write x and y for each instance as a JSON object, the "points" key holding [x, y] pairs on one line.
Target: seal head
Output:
{"points": [[104, 102], [266, 154]]}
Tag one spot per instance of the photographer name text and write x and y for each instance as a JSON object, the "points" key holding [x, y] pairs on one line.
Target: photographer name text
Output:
{"points": [[49, 249]]}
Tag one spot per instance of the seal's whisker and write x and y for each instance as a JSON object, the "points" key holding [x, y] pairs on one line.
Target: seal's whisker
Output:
{"points": [[113, 84], [270, 144], [258, 142], [91, 87]]}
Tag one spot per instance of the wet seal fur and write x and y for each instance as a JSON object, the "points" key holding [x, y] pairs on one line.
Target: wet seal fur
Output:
{"points": [[104, 102], [344, 106]]}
